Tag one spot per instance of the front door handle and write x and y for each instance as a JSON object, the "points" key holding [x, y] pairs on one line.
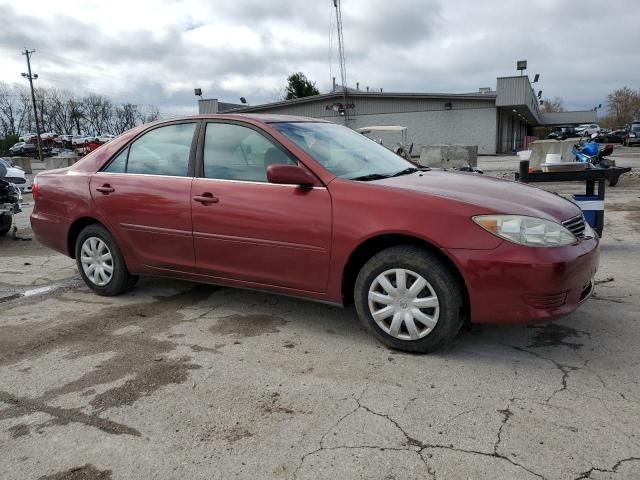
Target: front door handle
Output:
{"points": [[206, 198], [106, 189]]}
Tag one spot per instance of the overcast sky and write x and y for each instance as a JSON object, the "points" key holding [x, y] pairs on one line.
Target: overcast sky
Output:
{"points": [[157, 52]]}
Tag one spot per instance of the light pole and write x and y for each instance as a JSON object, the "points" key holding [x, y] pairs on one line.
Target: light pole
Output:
{"points": [[595, 109], [31, 77]]}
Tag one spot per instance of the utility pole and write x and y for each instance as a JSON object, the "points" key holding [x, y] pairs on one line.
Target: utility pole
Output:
{"points": [[31, 78], [343, 67]]}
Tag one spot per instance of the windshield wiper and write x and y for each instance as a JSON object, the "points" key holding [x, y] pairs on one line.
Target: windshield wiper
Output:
{"points": [[371, 176], [409, 170]]}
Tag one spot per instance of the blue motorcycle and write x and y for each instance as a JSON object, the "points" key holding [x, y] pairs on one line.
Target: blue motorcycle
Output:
{"points": [[587, 150]]}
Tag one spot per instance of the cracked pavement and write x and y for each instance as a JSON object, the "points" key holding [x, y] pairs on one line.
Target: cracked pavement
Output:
{"points": [[177, 380]]}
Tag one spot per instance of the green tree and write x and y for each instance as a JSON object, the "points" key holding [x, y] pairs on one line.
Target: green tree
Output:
{"points": [[298, 86]]}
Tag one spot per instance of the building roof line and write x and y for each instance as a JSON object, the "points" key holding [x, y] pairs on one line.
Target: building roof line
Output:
{"points": [[339, 95]]}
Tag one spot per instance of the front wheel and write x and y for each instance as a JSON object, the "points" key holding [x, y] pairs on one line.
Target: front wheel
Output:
{"points": [[5, 224], [100, 262], [409, 299]]}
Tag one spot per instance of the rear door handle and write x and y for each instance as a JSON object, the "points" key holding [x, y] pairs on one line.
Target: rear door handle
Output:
{"points": [[106, 189], [206, 198]]}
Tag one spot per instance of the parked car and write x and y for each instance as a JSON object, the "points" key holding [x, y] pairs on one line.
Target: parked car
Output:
{"points": [[313, 209], [614, 136], [10, 200], [79, 140], [48, 136], [588, 129], [105, 138], [23, 148], [562, 132], [633, 135], [14, 174], [27, 137]]}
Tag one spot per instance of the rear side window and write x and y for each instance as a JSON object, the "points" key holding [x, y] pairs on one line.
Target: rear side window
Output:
{"points": [[162, 151]]}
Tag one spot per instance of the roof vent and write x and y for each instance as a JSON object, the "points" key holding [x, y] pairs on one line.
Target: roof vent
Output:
{"points": [[485, 90]]}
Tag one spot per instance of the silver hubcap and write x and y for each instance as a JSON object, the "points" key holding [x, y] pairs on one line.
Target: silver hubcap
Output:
{"points": [[403, 304], [96, 260]]}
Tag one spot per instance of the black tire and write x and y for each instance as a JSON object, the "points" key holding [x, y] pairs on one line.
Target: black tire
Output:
{"points": [[121, 280], [439, 277], [5, 224]]}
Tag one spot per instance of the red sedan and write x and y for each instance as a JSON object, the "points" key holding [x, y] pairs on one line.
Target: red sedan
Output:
{"points": [[313, 209]]}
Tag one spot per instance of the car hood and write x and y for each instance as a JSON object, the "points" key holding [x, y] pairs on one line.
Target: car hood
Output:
{"points": [[15, 172], [488, 194]]}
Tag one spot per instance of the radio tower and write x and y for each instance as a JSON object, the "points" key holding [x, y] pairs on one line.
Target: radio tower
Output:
{"points": [[343, 68]]}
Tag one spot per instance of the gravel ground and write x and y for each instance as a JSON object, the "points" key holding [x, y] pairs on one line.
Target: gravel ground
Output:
{"points": [[178, 380]]}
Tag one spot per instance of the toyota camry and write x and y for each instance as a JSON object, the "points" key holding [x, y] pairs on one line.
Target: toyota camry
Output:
{"points": [[312, 209]]}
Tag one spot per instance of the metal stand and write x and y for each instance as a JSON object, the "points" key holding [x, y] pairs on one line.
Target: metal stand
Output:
{"points": [[590, 177]]}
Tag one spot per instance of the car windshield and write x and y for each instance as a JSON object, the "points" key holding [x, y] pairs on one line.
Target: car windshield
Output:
{"points": [[344, 152], [635, 126]]}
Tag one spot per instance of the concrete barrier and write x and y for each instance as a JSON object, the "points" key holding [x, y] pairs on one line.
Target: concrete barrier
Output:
{"points": [[60, 161], [449, 156], [22, 162], [540, 148]]}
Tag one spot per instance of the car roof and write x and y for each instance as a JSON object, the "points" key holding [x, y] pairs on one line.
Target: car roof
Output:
{"points": [[259, 117]]}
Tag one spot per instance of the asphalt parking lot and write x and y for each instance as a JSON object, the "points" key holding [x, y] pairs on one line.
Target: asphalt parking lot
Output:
{"points": [[178, 380]]}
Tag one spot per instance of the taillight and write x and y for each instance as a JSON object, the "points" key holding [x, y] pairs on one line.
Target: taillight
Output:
{"points": [[34, 189]]}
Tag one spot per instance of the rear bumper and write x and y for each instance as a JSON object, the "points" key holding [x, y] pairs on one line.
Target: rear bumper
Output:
{"points": [[516, 284], [51, 231]]}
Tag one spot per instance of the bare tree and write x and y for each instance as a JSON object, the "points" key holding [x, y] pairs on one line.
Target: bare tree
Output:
{"points": [[149, 113], [63, 112], [97, 110], [623, 105], [10, 111], [554, 104]]}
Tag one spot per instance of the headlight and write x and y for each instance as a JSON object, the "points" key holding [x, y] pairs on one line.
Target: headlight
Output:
{"points": [[632, 135], [530, 231]]}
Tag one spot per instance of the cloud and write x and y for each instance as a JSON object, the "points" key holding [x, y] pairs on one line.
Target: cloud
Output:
{"points": [[157, 53]]}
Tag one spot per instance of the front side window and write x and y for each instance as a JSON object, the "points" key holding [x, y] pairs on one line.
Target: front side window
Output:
{"points": [[162, 151], [342, 151], [119, 163], [234, 152]]}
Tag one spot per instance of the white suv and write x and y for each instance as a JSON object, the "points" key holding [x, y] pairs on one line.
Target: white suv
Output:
{"points": [[588, 129]]}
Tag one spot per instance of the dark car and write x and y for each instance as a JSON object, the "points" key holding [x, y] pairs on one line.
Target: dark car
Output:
{"points": [[312, 209], [562, 133], [615, 136], [633, 134]]}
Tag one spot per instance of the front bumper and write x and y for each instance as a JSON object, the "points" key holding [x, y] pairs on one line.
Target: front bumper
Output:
{"points": [[517, 284], [632, 140]]}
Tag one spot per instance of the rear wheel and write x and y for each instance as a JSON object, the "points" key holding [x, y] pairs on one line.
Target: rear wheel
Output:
{"points": [[100, 262], [409, 299]]}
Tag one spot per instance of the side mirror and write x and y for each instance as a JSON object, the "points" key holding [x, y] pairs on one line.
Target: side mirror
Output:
{"points": [[289, 175]]}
